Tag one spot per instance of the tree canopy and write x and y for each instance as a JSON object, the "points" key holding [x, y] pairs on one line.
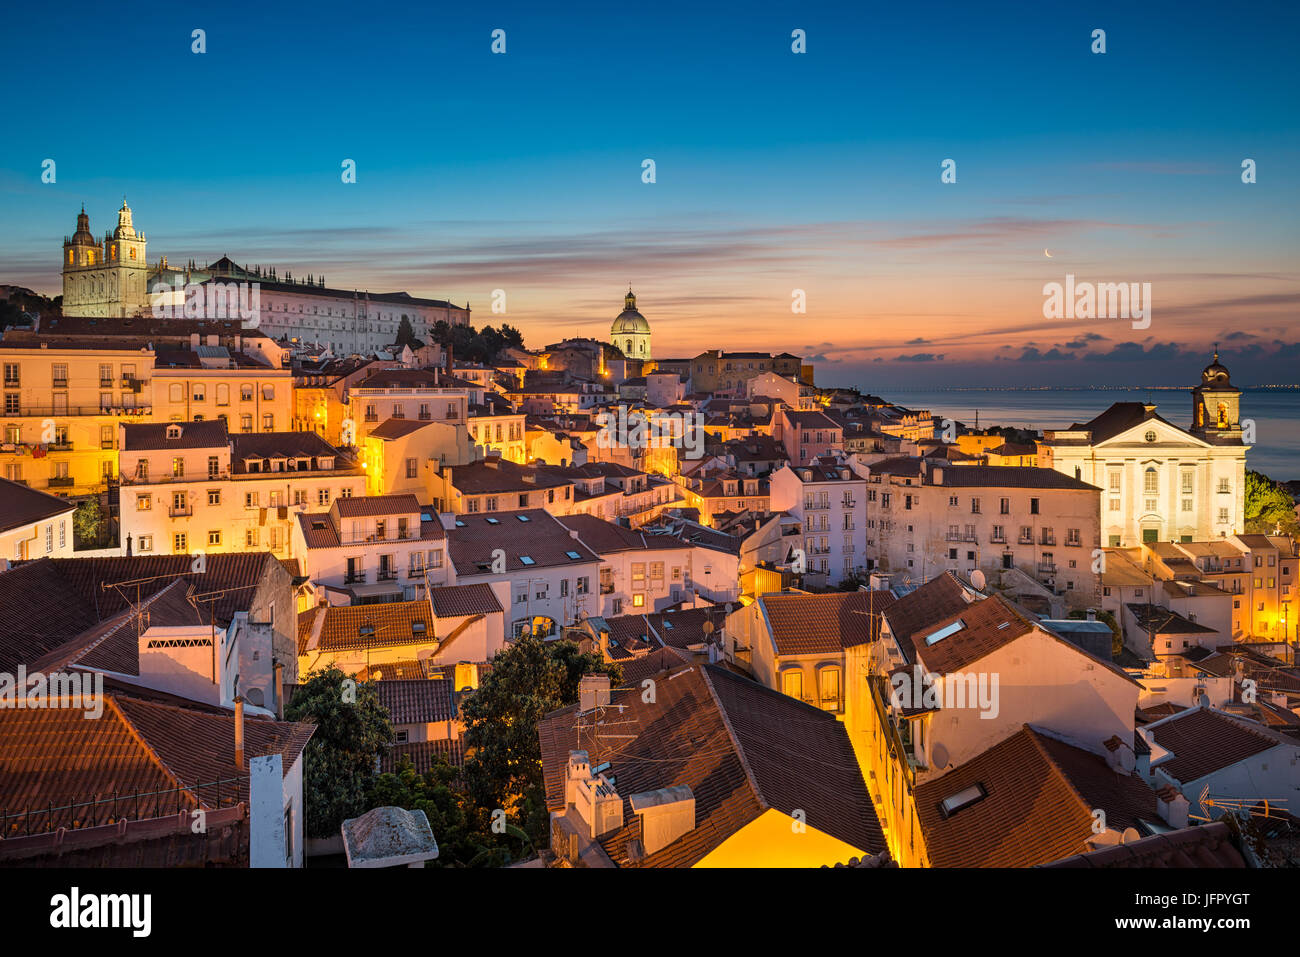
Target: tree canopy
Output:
{"points": [[1268, 505], [352, 730]]}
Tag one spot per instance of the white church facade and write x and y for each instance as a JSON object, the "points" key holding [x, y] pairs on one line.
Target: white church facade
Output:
{"points": [[1161, 483]]}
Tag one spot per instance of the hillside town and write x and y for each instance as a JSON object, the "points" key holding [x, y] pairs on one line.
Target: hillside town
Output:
{"points": [[594, 604]]}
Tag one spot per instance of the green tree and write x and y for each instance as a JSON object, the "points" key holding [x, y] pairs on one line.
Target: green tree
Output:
{"points": [[465, 837], [406, 335], [352, 730], [88, 522], [528, 679], [1268, 505]]}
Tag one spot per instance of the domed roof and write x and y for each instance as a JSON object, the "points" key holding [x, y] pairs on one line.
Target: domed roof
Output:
{"points": [[82, 236], [1215, 373], [629, 320]]}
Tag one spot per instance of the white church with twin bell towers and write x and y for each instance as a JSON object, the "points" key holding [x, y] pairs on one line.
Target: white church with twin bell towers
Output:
{"points": [[108, 278]]}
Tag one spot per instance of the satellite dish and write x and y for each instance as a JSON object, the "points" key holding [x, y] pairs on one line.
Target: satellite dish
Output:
{"points": [[1130, 835], [939, 754], [977, 580]]}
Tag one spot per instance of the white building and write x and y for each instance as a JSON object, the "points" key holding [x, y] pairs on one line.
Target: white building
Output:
{"points": [[33, 524], [829, 498], [553, 576], [1160, 482], [923, 520], [373, 548], [190, 487]]}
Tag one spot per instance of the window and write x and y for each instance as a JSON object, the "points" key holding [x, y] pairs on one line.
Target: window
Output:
{"points": [[1150, 481], [250, 500], [180, 543], [246, 392], [146, 543], [246, 423], [268, 422], [792, 683], [214, 537], [214, 496], [828, 688], [200, 392], [412, 468], [143, 503], [178, 467], [323, 496], [176, 392]]}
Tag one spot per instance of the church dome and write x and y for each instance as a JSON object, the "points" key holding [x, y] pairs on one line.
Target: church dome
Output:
{"points": [[82, 236], [1215, 373], [629, 321]]}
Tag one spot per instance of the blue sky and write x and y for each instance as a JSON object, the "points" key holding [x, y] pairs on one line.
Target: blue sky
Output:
{"points": [[775, 171]]}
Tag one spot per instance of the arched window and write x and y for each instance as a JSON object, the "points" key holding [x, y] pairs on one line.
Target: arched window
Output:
{"points": [[1151, 485]]}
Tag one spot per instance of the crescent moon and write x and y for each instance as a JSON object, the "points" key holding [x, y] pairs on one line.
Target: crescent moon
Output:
{"points": [[1047, 254]]}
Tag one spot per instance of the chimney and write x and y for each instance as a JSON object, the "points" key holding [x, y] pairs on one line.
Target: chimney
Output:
{"points": [[239, 731], [1092, 614], [666, 815], [936, 475], [1172, 806], [194, 340], [593, 798], [593, 691], [279, 689], [604, 644]]}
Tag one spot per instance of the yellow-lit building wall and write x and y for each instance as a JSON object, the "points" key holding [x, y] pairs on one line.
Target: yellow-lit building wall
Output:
{"points": [[775, 839]]}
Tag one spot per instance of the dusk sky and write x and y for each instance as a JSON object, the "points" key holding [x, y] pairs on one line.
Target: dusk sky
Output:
{"points": [[775, 171]]}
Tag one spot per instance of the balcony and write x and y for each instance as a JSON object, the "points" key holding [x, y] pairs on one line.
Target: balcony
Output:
{"points": [[354, 578], [1047, 568], [132, 384], [180, 511], [387, 575], [1048, 540], [61, 481], [1025, 540], [60, 446]]}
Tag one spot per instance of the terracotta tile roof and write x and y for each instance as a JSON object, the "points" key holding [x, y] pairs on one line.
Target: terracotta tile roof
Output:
{"points": [[740, 747], [822, 624], [54, 601], [606, 538], [936, 600], [986, 626], [152, 436], [396, 428], [1164, 621], [1209, 845], [539, 536], [384, 625], [1009, 476], [366, 506], [1039, 794], [416, 701], [1204, 740], [657, 662], [423, 755], [20, 505], [479, 478], [454, 601], [271, 445], [55, 756], [679, 628]]}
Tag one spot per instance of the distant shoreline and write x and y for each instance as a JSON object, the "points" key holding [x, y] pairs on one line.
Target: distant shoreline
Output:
{"points": [[1086, 388]]}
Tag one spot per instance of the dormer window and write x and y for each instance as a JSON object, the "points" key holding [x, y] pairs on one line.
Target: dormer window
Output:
{"points": [[173, 431]]}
